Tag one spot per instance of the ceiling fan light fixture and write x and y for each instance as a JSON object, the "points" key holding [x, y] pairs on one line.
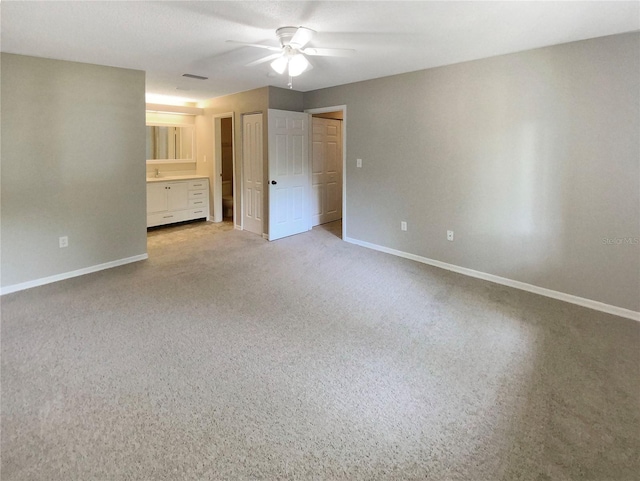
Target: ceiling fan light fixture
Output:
{"points": [[291, 57], [298, 63], [280, 64]]}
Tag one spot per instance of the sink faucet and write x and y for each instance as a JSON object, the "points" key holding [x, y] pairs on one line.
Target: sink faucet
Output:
{"points": [[157, 172]]}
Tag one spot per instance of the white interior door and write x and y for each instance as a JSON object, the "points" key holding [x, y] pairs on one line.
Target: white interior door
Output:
{"points": [[252, 213], [326, 164], [289, 180]]}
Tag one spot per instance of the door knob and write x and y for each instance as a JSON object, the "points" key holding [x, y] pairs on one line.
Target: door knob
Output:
{"points": [[273, 182]]}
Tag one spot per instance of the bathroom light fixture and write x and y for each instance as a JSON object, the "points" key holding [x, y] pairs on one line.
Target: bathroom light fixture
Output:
{"points": [[152, 98]]}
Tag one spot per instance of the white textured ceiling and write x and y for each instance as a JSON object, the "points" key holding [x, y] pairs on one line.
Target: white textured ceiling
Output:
{"points": [[168, 39]]}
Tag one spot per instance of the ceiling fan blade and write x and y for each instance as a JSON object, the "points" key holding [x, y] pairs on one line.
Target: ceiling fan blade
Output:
{"points": [[263, 60], [329, 52], [301, 37], [267, 47]]}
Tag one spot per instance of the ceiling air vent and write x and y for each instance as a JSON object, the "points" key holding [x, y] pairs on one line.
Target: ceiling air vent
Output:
{"points": [[190, 75]]}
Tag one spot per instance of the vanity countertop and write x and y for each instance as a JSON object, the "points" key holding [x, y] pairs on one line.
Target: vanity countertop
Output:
{"points": [[175, 177]]}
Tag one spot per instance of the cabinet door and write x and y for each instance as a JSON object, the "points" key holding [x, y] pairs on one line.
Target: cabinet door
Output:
{"points": [[156, 197], [178, 195]]}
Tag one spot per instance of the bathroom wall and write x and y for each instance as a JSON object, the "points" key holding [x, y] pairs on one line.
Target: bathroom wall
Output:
{"points": [[73, 164]]}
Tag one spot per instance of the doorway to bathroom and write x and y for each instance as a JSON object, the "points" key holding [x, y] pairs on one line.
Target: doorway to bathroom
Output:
{"points": [[223, 178], [226, 137]]}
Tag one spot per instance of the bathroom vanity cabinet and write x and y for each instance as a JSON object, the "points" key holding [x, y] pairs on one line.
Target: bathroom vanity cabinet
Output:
{"points": [[172, 200]]}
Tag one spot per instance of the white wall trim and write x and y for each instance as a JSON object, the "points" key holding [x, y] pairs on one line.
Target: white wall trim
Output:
{"points": [[580, 301], [67, 275]]}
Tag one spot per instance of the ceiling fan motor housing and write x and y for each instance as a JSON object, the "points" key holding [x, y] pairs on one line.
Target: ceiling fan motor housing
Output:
{"points": [[285, 34]]}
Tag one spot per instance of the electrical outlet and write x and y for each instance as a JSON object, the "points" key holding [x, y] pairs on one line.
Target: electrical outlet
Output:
{"points": [[403, 225], [449, 235], [358, 162], [63, 241]]}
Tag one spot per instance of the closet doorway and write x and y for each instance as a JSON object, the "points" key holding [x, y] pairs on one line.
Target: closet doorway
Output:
{"points": [[327, 165]]}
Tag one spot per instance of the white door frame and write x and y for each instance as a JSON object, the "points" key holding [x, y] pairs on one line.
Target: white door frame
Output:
{"points": [[324, 110], [216, 181]]}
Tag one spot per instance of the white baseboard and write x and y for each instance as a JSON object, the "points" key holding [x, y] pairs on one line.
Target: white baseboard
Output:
{"points": [[66, 275], [580, 301]]}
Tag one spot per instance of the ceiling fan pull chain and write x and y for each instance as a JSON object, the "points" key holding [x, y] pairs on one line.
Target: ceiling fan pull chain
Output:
{"points": [[290, 84]]}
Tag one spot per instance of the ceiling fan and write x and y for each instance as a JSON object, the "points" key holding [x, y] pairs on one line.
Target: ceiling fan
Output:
{"points": [[291, 56]]}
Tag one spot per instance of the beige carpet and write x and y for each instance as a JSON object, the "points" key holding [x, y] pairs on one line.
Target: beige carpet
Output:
{"points": [[226, 357]]}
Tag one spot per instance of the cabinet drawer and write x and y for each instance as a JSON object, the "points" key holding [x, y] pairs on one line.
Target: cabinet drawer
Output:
{"points": [[199, 184], [199, 213], [166, 218], [197, 194], [198, 203]]}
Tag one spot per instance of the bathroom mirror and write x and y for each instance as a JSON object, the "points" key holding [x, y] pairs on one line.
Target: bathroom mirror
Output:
{"points": [[170, 143]]}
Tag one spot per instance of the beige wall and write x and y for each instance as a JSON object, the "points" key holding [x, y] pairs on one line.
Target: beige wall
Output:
{"points": [[252, 101], [532, 159], [73, 164]]}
